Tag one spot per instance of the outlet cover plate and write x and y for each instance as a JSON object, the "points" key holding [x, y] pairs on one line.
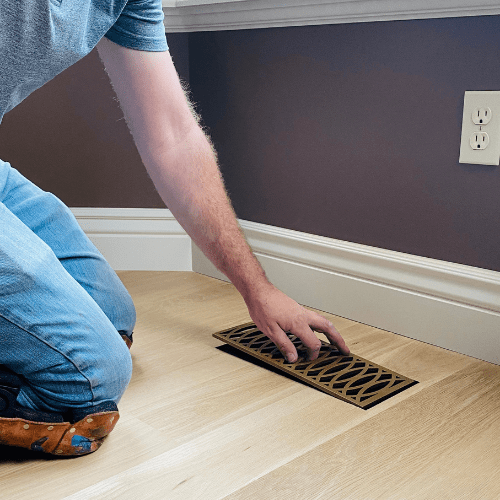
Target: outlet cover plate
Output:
{"points": [[472, 101]]}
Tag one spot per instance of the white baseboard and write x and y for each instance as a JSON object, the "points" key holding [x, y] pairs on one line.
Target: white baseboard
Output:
{"points": [[449, 305], [142, 239]]}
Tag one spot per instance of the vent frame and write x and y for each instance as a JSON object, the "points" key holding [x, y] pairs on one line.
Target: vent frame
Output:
{"points": [[351, 378]]}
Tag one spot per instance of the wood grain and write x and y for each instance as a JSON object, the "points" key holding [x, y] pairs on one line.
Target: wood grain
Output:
{"points": [[197, 423], [441, 443]]}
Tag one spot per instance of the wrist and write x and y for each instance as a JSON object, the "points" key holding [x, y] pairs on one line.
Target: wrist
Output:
{"points": [[254, 289]]}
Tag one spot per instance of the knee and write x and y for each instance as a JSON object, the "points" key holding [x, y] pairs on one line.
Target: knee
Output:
{"points": [[98, 375]]}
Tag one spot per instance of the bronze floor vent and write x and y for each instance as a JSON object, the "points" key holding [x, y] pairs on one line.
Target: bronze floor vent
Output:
{"points": [[350, 378]]}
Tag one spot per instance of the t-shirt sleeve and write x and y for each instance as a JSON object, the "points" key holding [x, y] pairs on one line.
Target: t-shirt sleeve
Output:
{"points": [[140, 26]]}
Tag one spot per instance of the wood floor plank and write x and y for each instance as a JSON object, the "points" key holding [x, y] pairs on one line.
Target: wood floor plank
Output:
{"points": [[245, 448], [200, 423], [442, 443], [28, 476]]}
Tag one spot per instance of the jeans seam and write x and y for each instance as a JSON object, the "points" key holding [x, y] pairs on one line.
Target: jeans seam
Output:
{"points": [[55, 350]]}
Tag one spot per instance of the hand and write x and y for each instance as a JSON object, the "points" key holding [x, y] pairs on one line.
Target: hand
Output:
{"points": [[275, 313]]}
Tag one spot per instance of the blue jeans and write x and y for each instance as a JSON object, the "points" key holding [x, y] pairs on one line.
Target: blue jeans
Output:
{"points": [[62, 307]]}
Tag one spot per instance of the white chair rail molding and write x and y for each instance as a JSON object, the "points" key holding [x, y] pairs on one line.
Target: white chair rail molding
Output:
{"points": [[211, 15]]}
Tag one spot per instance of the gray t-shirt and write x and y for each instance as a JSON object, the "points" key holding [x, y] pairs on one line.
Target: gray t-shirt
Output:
{"points": [[41, 38]]}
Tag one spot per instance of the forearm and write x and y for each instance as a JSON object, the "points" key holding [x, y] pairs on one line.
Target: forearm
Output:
{"points": [[184, 170], [188, 179]]}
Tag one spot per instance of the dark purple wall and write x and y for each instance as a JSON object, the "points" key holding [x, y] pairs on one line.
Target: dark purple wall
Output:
{"points": [[353, 131], [70, 138], [348, 131]]}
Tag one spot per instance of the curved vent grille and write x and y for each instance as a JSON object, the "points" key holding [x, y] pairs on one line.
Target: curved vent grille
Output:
{"points": [[350, 378]]}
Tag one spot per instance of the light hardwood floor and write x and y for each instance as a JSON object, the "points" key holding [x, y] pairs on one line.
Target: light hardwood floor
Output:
{"points": [[197, 423]]}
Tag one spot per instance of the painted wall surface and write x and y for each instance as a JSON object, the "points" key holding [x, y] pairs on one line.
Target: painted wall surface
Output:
{"points": [[353, 131], [69, 137], [348, 131]]}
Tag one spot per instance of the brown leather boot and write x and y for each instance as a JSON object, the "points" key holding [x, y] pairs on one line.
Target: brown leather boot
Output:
{"points": [[79, 432]]}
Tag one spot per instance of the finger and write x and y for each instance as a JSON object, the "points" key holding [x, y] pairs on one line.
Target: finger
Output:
{"points": [[321, 324], [309, 340], [283, 343]]}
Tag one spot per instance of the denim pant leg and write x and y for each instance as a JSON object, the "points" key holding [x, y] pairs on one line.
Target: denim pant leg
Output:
{"points": [[52, 221], [52, 331]]}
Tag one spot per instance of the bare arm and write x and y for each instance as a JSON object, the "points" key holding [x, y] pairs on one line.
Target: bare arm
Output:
{"points": [[180, 160]]}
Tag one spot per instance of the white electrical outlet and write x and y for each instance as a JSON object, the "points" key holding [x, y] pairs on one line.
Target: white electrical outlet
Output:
{"points": [[479, 140], [480, 143], [481, 116]]}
